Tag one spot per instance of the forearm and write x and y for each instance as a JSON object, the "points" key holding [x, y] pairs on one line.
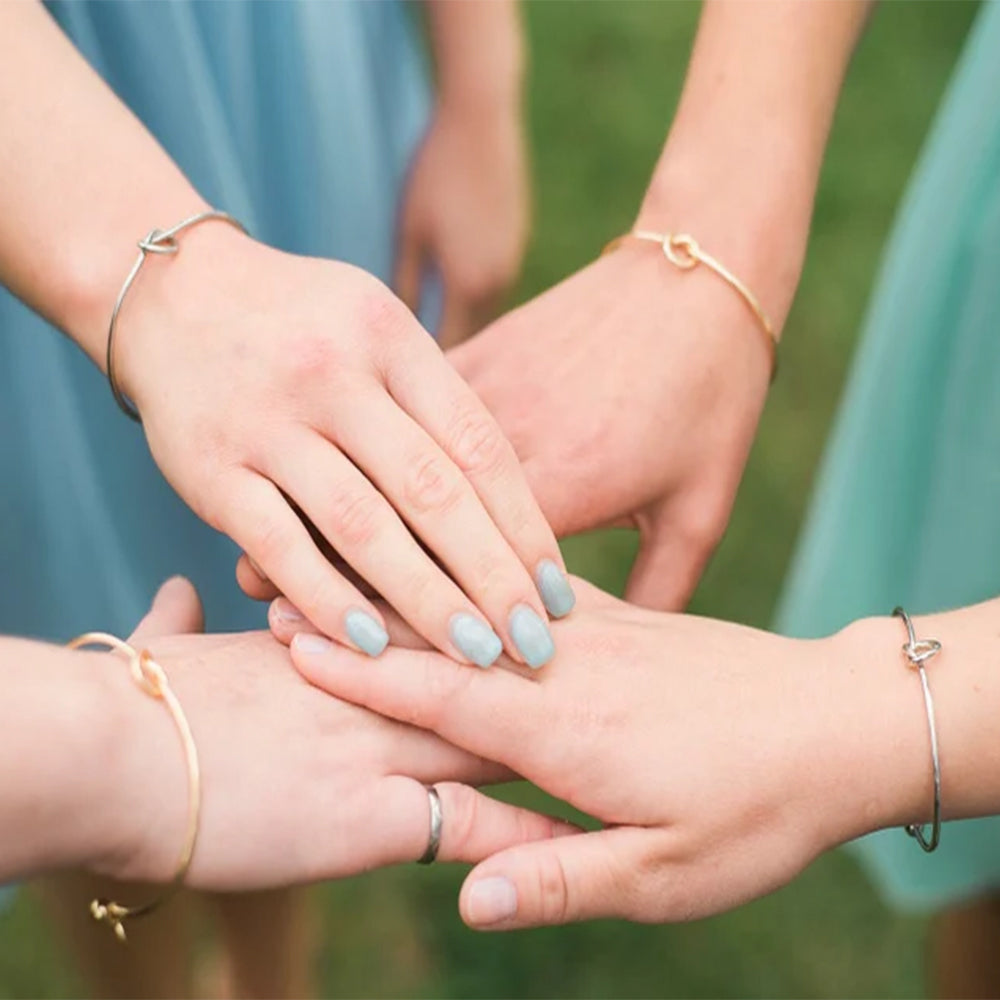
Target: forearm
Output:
{"points": [[57, 721], [81, 180], [742, 160], [478, 54], [888, 725]]}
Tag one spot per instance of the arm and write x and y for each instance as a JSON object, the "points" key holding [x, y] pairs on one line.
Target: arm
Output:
{"points": [[245, 383], [726, 764], [93, 773], [466, 203], [738, 173]]}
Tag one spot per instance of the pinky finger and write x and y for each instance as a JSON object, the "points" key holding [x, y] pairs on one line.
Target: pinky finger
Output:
{"points": [[274, 537]]}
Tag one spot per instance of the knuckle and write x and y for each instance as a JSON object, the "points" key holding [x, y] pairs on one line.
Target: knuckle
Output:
{"points": [[382, 315], [431, 486], [312, 358], [270, 539], [464, 815], [356, 515], [477, 444], [553, 889]]}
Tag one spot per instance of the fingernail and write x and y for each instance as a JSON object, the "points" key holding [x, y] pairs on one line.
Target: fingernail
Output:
{"points": [[557, 594], [311, 644], [475, 639], [256, 569], [365, 632], [491, 900], [531, 636], [286, 611]]}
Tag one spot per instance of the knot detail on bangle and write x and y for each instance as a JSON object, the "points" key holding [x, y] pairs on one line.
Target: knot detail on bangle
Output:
{"points": [[684, 252], [156, 241]]}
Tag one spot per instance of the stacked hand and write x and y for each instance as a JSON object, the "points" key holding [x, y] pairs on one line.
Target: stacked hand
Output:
{"points": [[309, 389], [631, 392], [297, 786], [720, 759]]}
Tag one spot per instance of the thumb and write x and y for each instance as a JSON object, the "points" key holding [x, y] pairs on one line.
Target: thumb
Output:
{"points": [[558, 881], [176, 608], [668, 566]]}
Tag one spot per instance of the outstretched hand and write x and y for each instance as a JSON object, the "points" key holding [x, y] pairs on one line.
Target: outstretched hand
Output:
{"points": [[721, 759]]}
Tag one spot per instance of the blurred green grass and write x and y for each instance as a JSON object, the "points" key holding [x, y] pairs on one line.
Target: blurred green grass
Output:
{"points": [[605, 79]]}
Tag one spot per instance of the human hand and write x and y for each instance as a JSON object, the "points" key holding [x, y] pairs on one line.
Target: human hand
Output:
{"points": [[297, 786], [466, 210], [272, 385], [721, 759], [631, 392]]}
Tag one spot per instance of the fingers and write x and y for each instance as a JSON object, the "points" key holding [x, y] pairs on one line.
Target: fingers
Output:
{"points": [[559, 881], [668, 566], [358, 521], [176, 608], [437, 398], [493, 713], [440, 505], [272, 534], [473, 826], [286, 621]]}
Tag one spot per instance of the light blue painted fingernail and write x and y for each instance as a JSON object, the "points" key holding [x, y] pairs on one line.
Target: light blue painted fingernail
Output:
{"points": [[475, 639], [365, 632], [557, 594], [531, 636]]}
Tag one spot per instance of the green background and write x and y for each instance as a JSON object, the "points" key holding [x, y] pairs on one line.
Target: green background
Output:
{"points": [[605, 79]]}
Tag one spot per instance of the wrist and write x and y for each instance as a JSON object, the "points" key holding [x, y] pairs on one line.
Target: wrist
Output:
{"points": [[755, 220], [171, 290], [884, 776]]}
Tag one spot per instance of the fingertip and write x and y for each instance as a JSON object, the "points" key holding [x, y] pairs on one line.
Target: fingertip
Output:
{"points": [[488, 902]]}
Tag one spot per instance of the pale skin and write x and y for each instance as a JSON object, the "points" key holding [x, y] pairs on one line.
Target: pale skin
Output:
{"points": [[316, 384], [721, 759], [632, 391], [467, 202], [96, 777]]}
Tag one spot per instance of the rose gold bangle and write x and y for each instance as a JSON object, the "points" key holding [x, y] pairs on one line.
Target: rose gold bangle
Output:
{"points": [[149, 675]]}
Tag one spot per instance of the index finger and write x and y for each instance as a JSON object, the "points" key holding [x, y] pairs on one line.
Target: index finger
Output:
{"points": [[496, 714]]}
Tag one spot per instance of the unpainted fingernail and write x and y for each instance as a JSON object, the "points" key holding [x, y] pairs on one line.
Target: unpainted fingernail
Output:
{"points": [[531, 635], [366, 632], [475, 639], [257, 569], [553, 585], [491, 900], [311, 644], [285, 611]]}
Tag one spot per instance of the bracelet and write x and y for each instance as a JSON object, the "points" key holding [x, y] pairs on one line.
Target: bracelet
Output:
{"points": [[684, 252], [918, 652], [149, 675], [159, 241]]}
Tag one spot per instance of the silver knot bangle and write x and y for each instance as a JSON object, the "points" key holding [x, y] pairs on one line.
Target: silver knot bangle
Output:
{"points": [[918, 652], [159, 241]]}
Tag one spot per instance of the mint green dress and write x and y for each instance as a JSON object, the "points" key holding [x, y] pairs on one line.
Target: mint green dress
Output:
{"points": [[907, 505]]}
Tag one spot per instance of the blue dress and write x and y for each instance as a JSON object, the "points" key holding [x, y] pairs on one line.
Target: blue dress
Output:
{"points": [[301, 120], [907, 507]]}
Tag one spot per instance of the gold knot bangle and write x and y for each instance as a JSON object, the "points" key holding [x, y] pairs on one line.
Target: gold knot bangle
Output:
{"points": [[150, 677], [684, 253]]}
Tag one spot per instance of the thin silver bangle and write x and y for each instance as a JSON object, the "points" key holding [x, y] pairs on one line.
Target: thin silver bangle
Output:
{"points": [[161, 241], [918, 652]]}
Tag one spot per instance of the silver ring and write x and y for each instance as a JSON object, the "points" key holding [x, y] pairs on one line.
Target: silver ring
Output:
{"points": [[437, 820]]}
